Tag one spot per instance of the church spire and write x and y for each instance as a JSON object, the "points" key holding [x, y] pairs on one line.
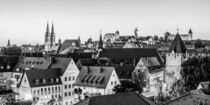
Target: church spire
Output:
{"points": [[190, 31], [47, 30], [52, 30], [8, 44], [100, 41]]}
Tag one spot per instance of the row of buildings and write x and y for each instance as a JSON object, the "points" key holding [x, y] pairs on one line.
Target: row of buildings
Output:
{"points": [[67, 73]]}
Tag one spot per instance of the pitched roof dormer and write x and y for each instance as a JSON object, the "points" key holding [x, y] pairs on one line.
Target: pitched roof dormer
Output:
{"points": [[177, 45]]}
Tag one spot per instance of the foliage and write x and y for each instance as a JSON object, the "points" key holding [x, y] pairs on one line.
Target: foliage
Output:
{"points": [[195, 70], [199, 44], [127, 86]]}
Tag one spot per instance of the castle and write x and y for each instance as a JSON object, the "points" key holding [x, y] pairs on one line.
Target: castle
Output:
{"points": [[184, 37]]}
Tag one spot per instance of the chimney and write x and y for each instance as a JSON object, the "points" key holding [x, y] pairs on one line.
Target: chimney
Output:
{"points": [[101, 69], [87, 69]]}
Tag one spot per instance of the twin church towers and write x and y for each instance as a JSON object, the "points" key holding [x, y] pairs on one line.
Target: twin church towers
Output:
{"points": [[49, 38]]}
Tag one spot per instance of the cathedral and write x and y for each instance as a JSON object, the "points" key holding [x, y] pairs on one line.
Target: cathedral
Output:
{"points": [[49, 43]]}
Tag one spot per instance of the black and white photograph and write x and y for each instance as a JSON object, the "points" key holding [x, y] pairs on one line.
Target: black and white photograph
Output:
{"points": [[104, 52]]}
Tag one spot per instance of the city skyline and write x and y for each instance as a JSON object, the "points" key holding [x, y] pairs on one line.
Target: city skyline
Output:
{"points": [[24, 21]]}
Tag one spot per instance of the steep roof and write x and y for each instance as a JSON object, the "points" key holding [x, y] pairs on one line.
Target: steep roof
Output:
{"points": [[130, 53], [6, 60], [124, 71], [94, 76], [48, 74], [130, 98], [36, 62], [178, 45], [61, 63]]}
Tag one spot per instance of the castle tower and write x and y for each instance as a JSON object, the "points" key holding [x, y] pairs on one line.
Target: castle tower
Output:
{"points": [[47, 39], [191, 34], [52, 37], [174, 58]]}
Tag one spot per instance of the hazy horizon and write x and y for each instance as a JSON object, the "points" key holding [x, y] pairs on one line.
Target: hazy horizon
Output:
{"points": [[24, 21]]}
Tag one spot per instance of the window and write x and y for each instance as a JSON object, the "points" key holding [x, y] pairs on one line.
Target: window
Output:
{"points": [[33, 62], [69, 93], [73, 78], [2, 67], [65, 86], [65, 93], [36, 81], [111, 83], [69, 85], [57, 80], [29, 62], [65, 79], [37, 63], [51, 80], [41, 62], [69, 78], [115, 82], [23, 62], [44, 81]]}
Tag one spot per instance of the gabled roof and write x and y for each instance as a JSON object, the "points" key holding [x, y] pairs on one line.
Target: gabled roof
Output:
{"points": [[94, 76], [130, 98], [39, 74], [178, 45], [8, 60], [130, 53], [69, 42], [61, 63], [35, 62], [124, 71]]}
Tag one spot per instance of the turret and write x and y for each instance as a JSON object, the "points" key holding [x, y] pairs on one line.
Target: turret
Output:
{"points": [[190, 33]]}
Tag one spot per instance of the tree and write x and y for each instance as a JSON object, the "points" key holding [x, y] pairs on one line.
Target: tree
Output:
{"points": [[199, 44], [195, 70], [127, 86]]}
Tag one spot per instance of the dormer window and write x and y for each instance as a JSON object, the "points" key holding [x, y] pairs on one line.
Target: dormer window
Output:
{"points": [[57, 80], [44, 81], [37, 63], [51, 80], [23, 62], [8, 67], [36, 81]]}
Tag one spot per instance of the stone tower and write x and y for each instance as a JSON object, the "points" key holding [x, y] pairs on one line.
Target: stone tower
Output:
{"points": [[190, 34], [174, 58]]}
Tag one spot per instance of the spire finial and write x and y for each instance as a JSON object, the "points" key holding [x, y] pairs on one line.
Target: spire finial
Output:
{"points": [[177, 29]]}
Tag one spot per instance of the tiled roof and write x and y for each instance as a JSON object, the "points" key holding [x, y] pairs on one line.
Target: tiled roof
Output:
{"points": [[151, 61], [48, 75], [94, 76], [34, 62], [130, 98], [61, 63], [124, 71], [130, 53], [69, 42], [178, 45], [6, 61]]}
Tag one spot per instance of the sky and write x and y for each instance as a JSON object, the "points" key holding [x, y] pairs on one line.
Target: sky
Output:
{"points": [[24, 21]]}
